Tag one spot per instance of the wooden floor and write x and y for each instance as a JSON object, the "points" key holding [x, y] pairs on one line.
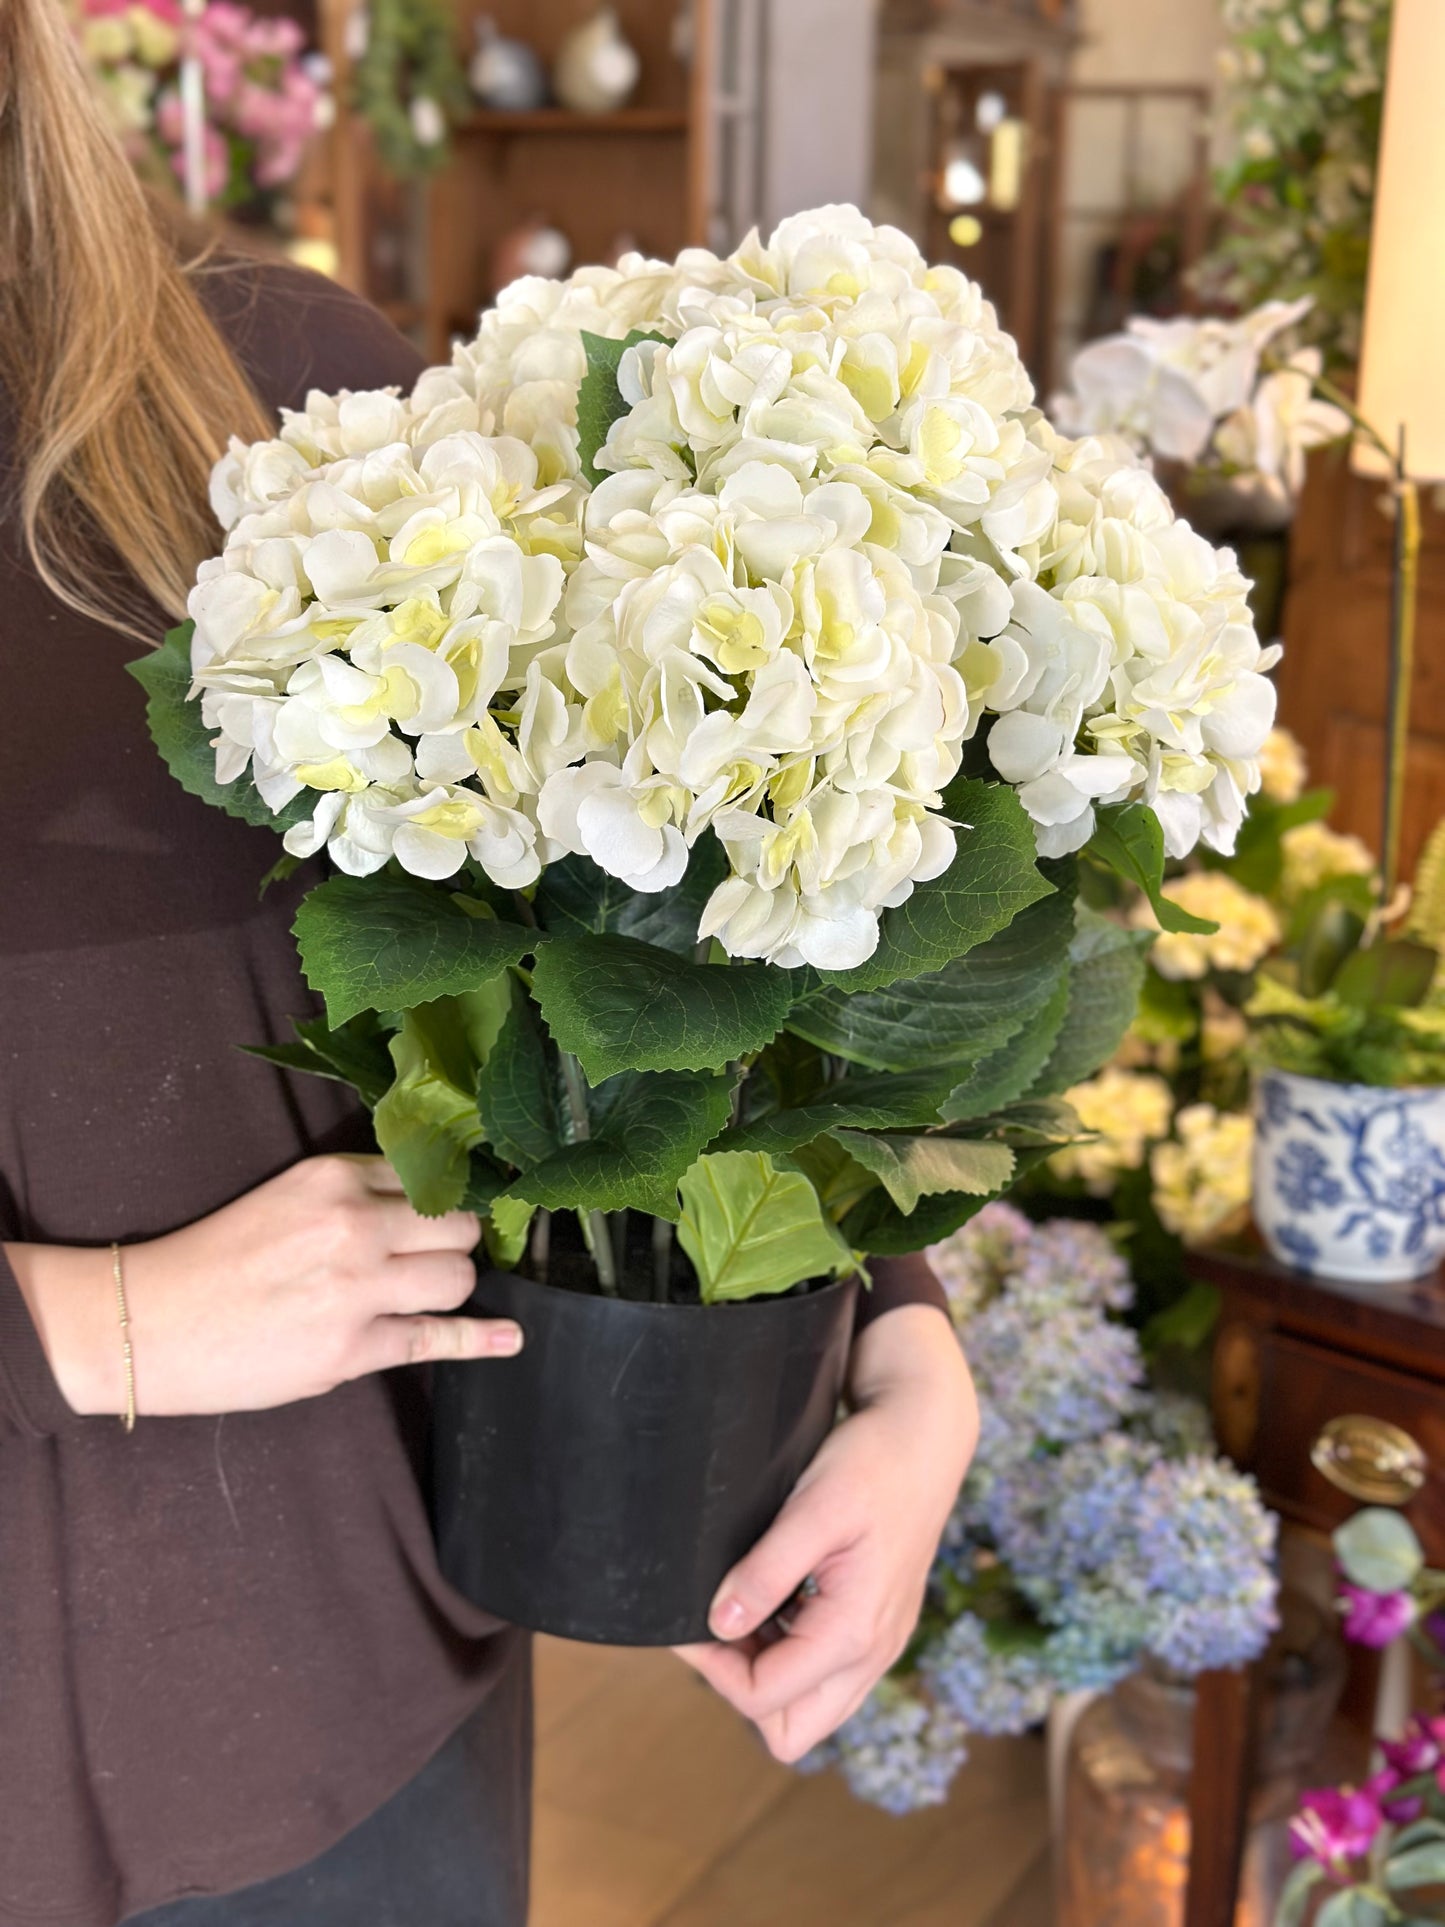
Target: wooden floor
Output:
{"points": [[658, 1807]]}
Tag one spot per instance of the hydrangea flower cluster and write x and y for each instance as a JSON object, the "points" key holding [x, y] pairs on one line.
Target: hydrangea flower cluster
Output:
{"points": [[1203, 1176], [825, 541], [1125, 1111], [1096, 1528], [1248, 927]]}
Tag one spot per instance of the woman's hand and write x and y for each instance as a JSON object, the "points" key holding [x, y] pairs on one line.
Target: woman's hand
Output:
{"points": [[863, 1524], [321, 1275]]}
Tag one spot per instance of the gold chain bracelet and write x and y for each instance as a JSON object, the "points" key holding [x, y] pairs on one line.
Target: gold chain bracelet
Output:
{"points": [[127, 1417]]}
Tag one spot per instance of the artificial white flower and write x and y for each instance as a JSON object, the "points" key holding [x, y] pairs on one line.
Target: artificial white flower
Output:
{"points": [[833, 542]]}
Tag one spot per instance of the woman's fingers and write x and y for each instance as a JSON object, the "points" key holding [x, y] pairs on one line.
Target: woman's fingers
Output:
{"points": [[427, 1340], [798, 1728], [425, 1281], [405, 1230], [804, 1534]]}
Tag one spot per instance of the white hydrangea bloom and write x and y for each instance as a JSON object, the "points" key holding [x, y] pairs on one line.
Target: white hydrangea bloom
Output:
{"points": [[833, 542]]}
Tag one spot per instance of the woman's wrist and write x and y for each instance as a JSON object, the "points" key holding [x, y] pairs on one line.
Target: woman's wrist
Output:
{"points": [[69, 1293], [912, 1352]]}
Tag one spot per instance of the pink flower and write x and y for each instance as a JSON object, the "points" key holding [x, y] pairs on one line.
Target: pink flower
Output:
{"points": [[1399, 1810], [1419, 1751], [1335, 1825], [1375, 1618]]}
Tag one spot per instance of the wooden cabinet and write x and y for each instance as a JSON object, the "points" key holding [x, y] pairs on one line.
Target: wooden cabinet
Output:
{"points": [[425, 251], [1334, 677], [1333, 1395]]}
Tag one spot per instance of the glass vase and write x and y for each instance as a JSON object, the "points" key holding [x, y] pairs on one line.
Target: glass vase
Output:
{"points": [[1124, 1857]]}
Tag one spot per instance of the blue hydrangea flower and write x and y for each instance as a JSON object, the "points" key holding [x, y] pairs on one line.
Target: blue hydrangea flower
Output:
{"points": [[991, 1689], [899, 1751]]}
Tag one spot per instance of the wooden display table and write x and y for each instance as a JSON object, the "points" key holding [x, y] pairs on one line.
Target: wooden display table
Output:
{"points": [[1333, 1396]]}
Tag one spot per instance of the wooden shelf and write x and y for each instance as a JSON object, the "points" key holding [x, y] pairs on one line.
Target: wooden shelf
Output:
{"points": [[560, 120]]}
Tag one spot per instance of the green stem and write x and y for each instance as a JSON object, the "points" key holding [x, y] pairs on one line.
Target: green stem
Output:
{"points": [[1404, 591], [596, 1232], [661, 1259]]}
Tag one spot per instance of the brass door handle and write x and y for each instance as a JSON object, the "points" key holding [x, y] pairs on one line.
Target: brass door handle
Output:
{"points": [[1370, 1459]]}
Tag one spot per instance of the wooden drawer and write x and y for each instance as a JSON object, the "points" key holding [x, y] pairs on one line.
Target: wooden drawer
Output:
{"points": [[1274, 1395]]}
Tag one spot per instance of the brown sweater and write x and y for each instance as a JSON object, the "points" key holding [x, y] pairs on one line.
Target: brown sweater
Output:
{"points": [[223, 1642]]}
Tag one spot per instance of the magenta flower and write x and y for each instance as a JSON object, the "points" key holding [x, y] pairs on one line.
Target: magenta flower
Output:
{"points": [[1375, 1618], [1419, 1751], [1335, 1825], [1400, 1810]]}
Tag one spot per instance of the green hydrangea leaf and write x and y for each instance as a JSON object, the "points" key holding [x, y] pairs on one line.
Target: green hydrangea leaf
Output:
{"points": [[993, 877], [751, 1229], [620, 1005], [356, 1054], [599, 399], [184, 741], [1007, 1074], [879, 1227], [505, 1231], [647, 1127], [518, 1094], [1129, 841], [1297, 1893], [575, 897], [390, 942], [427, 1123], [910, 1168], [879, 1103], [1106, 973], [958, 1014]]}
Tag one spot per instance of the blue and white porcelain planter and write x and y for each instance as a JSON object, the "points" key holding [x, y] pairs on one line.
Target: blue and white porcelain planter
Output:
{"points": [[1349, 1179]]}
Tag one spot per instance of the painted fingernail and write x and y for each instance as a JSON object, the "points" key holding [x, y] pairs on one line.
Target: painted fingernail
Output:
{"points": [[727, 1618], [505, 1341]]}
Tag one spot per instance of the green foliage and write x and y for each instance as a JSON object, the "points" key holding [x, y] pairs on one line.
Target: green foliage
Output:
{"points": [[1346, 1002], [575, 898], [911, 1168], [1008, 1073], [645, 1129], [410, 56], [1129, 841], [518, 1098], [864, 1103], [391, 941], [426, 1122], [1378, 1549], [1106, 972], [1426, 921], [505, 1231], [356, 1053], [185, 742], [993, 877], [599, 399], [751, 1229], [876, 1224], [957, 1015], [617, 1004]]}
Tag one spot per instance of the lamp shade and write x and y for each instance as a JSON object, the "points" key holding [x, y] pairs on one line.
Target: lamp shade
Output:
{"points": [[1402, 372]]}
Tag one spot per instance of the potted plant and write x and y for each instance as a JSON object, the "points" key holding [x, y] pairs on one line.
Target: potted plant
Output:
{"points": [[702, 689], [1349, 1041]]}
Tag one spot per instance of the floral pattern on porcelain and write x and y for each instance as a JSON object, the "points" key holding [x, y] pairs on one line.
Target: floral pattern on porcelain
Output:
{"points": [[1349, 1179]]}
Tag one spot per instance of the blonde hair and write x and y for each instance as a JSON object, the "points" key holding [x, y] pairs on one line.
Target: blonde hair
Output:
{"points": [[121, 388]]}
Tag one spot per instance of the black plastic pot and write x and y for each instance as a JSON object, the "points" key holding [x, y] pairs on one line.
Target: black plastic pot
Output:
{"points": [[601, 1485]]}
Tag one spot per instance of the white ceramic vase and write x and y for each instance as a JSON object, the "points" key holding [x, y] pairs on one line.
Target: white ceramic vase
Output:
{"points": [[506, 75], [598, 68], [1349, 1179]]}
